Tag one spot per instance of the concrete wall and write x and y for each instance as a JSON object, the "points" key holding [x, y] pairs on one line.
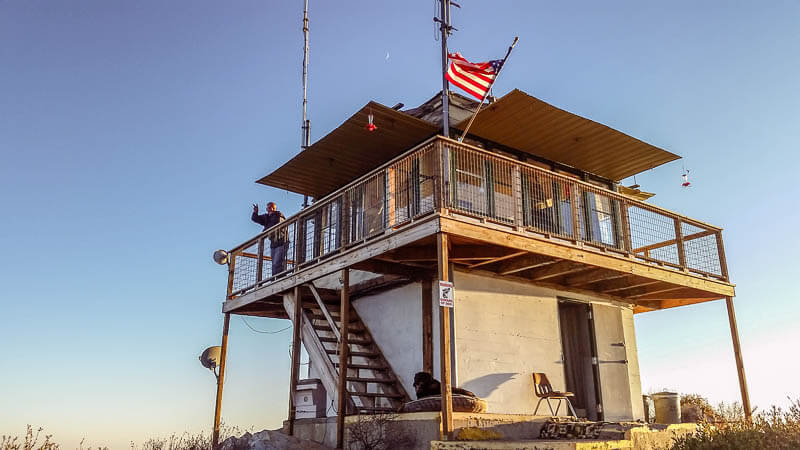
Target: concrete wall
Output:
{"points": [[506, 330], [633, 364], [395, 320]]}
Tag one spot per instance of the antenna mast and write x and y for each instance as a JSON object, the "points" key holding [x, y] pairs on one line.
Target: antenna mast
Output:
{"points": [[306, 123], [444, 22]]}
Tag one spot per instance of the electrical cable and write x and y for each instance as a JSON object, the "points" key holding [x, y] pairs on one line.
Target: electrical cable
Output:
{"points": [[262, 331]]}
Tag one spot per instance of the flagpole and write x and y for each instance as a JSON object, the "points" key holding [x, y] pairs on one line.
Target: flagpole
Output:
{"points": [[508, 53]]}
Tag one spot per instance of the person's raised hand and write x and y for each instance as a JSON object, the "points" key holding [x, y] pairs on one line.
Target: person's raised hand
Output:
{"points": [[255, 208]]}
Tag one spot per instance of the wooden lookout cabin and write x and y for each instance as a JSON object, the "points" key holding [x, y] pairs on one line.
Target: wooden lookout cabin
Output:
{"points": [[549, 257]]}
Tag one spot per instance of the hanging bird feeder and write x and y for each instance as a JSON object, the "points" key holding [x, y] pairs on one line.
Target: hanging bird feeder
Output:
{"points": [[685, 178], [370, 124]]}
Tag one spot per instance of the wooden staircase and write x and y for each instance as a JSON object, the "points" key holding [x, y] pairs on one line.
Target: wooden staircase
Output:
{"points": [[372, 386]]}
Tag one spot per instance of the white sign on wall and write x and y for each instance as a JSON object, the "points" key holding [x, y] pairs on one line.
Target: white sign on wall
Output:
{"points": [[446, 294]]}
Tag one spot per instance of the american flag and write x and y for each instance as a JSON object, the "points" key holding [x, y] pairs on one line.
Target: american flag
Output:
{"points": [[475, 78]]}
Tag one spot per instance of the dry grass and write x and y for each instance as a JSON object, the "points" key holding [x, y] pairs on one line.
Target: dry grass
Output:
{"points": [[774, 428]]}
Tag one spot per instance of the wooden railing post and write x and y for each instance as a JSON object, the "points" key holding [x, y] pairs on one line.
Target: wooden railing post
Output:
{"points": [[231, 273], [723, 263], [260, 266], [573, 203], [679, 243], [627, 245]]}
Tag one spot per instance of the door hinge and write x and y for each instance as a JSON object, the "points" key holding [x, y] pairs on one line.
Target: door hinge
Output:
{"points": [[594, 360], [591, 316], [599, 408]]}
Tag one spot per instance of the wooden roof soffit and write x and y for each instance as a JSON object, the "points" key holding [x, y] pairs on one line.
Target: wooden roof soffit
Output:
{"points": [[350, 151]]}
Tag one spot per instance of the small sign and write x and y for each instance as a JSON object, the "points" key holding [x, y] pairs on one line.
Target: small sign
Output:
{"points": [[446, 294]]}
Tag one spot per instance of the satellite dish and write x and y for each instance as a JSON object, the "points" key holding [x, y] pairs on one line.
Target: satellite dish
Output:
{"points": [[221, 257], [211, 357]]}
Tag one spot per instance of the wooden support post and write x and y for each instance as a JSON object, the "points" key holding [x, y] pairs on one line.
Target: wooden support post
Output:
{"points": [[444, 339], [220, 380], [344, 350], [427, 326], [297, 321], [737, 351]]}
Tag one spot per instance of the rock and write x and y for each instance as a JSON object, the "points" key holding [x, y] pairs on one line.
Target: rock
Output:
{"points": [[269, 440]]}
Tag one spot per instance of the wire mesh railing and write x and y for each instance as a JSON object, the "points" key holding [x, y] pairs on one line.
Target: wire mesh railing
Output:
{"points": [[501, 190], [485, 185], [387, 198]]}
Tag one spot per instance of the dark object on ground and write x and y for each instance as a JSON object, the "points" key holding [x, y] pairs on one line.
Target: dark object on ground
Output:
{"points": [[427, 386], [461, 403], [569, 428]]}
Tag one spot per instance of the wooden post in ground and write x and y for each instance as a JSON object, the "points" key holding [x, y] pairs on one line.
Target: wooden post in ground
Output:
{"points": [[427, 326], [344, 350], [444, 339], [220, 380], [737, 351], [297, 318]]}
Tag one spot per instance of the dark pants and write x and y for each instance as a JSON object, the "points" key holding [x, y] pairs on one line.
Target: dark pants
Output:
{"points": [[278, 255]]}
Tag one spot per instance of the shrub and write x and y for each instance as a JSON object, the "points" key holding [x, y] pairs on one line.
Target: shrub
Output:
{"points": [[772, 429]]}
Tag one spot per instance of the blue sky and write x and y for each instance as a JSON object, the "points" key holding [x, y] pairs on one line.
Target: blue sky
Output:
{"points": [[131, 134]]}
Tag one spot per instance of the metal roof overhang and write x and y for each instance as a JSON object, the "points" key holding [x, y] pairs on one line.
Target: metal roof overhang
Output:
{"points": [[525, 123], [350, 151], [516, 120]]}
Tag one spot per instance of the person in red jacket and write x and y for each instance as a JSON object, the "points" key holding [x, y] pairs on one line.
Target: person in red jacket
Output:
{"points": [[277, 239]]}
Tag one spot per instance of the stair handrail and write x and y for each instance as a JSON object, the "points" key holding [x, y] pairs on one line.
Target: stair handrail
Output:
{"points": [[325, 311]]}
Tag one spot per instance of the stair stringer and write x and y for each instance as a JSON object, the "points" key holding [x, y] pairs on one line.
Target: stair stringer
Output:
{"points": [[316, 353]]}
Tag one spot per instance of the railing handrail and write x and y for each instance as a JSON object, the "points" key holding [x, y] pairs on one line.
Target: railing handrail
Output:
{"points": [[323, 201], [605, 190]]}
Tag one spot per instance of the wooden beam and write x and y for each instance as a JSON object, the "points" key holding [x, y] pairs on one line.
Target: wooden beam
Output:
{"points": [[657, 245], [344, 350], [392, 268], [444, 342], [458, 253], [652, 289], [737, 352], [498, 259], [555, 270], [427, 326], [223, 355], [525, 262], [593, 276], [491, 233], [297, 319], [619, 284]]}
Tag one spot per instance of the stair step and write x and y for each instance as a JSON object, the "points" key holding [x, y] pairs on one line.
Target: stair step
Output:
{"points": [[370, 380], [335, 318], [332, 351], [353, 328], [362, 366], [376, 409], [374, 394], [349, 341]]}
